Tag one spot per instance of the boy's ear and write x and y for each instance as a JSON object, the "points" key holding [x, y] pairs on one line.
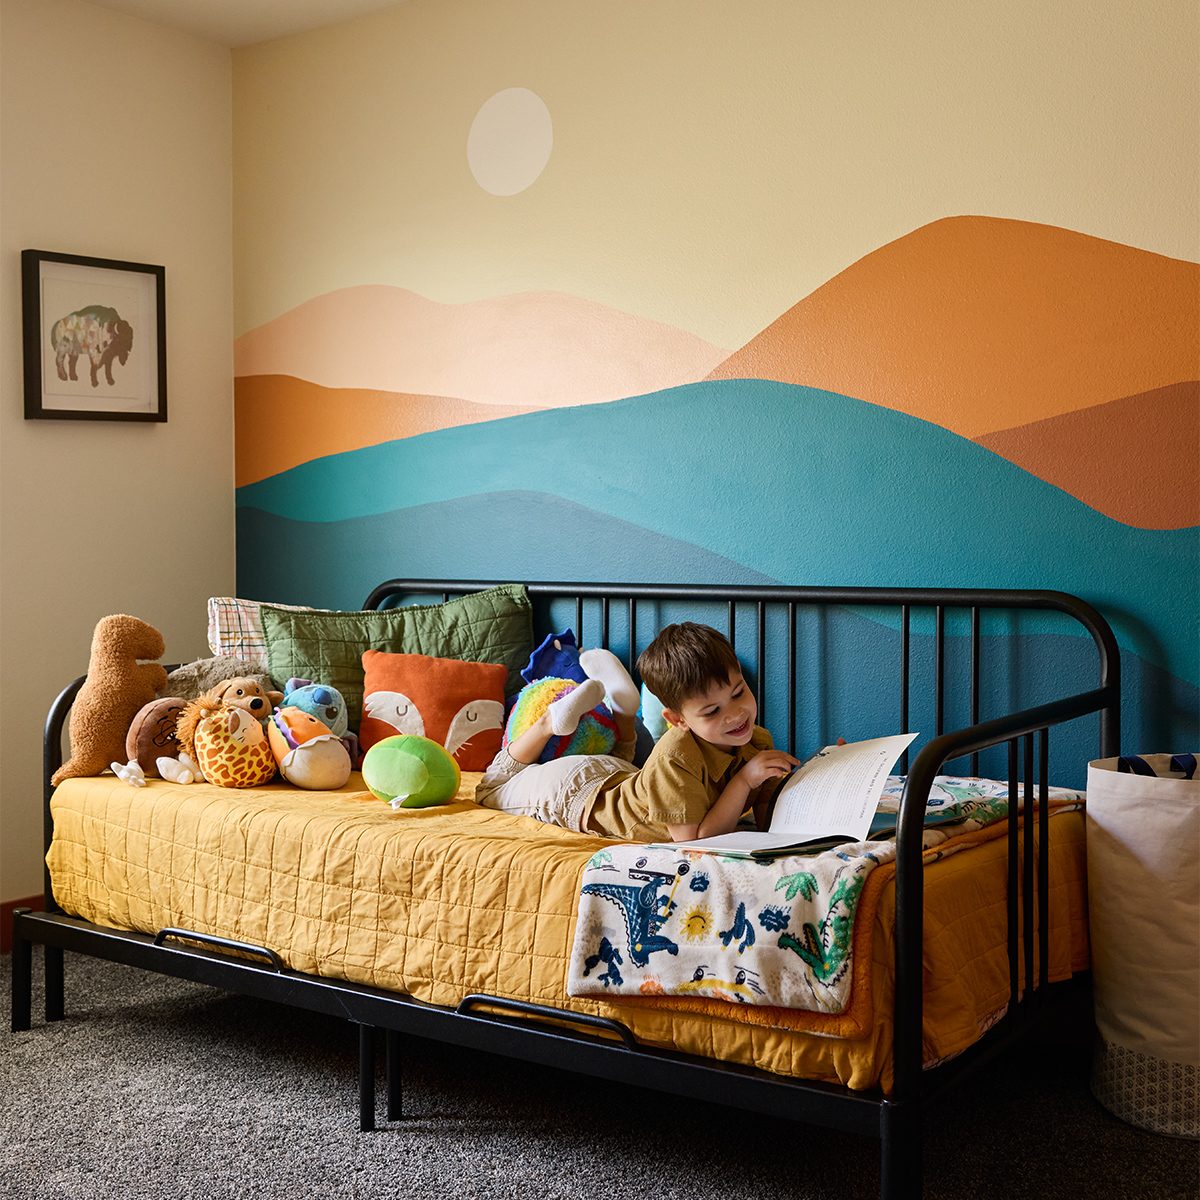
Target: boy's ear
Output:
{"points": [[674, 718]]}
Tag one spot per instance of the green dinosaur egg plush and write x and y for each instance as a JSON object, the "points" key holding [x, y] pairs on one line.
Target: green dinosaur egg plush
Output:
{"points": [[409, 771]]}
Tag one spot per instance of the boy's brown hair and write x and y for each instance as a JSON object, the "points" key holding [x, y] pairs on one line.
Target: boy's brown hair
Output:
{"points": [[686, 660]]}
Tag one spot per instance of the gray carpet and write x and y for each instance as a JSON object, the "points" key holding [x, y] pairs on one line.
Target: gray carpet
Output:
{"points": [[157, 1088]]}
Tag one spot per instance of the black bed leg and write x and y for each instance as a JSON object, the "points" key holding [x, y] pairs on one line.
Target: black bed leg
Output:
{"points": [[395, 1103], [52, 961], [899, 1151], [22, 977], [366, 1078]]}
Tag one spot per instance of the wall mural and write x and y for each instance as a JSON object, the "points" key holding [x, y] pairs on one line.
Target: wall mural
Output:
{"points": [[982, 402]]}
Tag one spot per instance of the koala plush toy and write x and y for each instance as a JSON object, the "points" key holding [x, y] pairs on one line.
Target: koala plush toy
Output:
{"points": [[328, 705]]}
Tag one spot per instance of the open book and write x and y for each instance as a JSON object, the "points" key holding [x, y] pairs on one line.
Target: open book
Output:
{"points": [[831, 799]]}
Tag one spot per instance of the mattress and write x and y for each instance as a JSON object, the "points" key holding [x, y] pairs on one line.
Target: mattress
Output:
{"points": [[441, 902]]}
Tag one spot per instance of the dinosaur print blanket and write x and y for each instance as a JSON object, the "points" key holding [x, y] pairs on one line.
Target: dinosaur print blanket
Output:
{"points": [[657, 921]]}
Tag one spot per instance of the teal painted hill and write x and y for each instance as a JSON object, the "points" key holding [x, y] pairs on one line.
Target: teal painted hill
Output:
{"points": [[798, 484]]}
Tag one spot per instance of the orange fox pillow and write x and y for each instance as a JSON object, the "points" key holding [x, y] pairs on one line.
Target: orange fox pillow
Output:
{"points": [[460, 705]]}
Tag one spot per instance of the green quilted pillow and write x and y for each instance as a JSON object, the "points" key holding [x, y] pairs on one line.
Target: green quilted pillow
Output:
{"points": [[495, 626]]}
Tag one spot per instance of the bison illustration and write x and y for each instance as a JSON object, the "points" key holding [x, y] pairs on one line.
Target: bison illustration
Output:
{"points": [[95, 331]]}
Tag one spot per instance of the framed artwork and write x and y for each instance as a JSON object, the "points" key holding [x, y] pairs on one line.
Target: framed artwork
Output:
{"points": [[94, 337]]}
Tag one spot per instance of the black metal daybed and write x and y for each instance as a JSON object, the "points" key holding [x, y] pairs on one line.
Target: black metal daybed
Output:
{"points": [[773, 629]]}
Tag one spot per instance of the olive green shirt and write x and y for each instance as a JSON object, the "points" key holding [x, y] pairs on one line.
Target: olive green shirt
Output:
{"points": [[682, 779]]}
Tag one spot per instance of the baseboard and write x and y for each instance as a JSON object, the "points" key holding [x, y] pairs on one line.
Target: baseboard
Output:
{"points": [[6, 911]]}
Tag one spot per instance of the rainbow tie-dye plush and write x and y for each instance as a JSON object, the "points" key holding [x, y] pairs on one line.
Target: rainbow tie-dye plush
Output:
{"points": [[597, 732]]}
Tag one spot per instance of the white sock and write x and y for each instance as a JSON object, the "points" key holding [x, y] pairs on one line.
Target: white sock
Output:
{"points": [[568, 710], [605, 666]]}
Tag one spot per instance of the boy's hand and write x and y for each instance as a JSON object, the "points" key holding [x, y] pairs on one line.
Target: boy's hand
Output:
{"points": [[767, 764]]}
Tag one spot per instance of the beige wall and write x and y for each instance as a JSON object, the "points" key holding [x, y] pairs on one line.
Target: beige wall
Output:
{"points": [[115, 142]]}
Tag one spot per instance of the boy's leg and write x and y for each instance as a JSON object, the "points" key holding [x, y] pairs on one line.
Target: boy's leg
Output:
{"points": [[559, 720], [554, 792], [621, 694]]}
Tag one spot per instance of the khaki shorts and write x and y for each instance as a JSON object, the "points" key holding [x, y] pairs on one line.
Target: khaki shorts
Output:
{"points": [[556, 792]]}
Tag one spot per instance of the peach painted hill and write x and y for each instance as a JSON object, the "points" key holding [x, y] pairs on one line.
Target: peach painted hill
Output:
{"points": [[535, 350], [981, 324], [281, 422], [1134, 459]]}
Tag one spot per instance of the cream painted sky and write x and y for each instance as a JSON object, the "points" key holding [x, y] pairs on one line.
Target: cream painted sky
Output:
{"points": [[714, 161]]}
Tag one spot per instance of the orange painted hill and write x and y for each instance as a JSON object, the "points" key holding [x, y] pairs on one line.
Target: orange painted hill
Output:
{"points": [[536, 349], [1132, 459], [280, 422], [981, 324]]}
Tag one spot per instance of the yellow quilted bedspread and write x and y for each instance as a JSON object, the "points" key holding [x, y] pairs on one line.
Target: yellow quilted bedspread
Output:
{"points": [[440, 902]]}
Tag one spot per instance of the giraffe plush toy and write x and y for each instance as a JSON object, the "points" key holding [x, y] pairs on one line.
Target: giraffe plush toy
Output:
{"points": [[227, 743]]}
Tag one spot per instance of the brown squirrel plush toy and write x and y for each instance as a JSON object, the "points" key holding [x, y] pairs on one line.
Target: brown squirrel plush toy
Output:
{"points": [[117, 687]]}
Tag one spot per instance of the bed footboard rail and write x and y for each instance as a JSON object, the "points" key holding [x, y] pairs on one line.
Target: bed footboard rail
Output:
{"points": [[1028, 859]]}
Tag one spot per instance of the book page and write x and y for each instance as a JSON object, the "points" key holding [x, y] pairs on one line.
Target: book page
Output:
{"points": [[833, 797], [838, 790]]}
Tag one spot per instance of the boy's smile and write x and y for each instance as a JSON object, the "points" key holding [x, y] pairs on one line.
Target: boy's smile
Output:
{"points": [[724, 715]]}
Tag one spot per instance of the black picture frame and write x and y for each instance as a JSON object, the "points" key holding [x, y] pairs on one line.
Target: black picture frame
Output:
{"points": [[95, 338]]}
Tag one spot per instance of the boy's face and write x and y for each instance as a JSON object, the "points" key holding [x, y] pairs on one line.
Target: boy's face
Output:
{"points": [[724, 715]]}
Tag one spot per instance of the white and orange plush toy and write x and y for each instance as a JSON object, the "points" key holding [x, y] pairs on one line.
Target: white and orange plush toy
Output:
{"points": [[308, 752]]}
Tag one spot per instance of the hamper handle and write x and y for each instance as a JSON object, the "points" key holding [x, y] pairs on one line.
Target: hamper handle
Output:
{"points": [[608, 1024], [1133, 764], [224, 943]]}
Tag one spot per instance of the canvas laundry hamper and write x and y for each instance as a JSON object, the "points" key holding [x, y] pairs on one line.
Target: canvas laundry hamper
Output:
{"points": [[1143, 855]]}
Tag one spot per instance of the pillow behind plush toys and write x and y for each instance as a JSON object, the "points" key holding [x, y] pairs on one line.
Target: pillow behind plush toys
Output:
{"points": [[459, 705]]}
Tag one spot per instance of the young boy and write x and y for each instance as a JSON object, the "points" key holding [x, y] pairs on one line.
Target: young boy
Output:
{"points": [[704, 772]]}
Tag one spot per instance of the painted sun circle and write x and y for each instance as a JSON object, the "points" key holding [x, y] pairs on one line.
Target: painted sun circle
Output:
{"points": [[510, 141]]}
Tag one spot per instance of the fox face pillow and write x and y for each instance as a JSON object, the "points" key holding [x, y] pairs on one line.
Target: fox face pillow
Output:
{"points": [[459, 705]]}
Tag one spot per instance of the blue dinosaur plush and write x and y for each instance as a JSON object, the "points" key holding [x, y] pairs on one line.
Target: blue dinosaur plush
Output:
{"points": [[325, 703], [557, 656]]}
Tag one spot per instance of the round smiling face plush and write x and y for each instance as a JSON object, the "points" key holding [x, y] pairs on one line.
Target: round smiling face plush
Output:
{"points": [[308, 753], [152, 734]]}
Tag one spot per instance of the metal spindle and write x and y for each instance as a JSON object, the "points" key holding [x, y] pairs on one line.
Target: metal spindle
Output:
{"points": [[604, 622], [632, 657], [579, 620], [761, 670], [1013, 881], [732, 623], [791, 677], [1027, 868], [904, 624], [940, 666], [1044, 857], [975, 680]]}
